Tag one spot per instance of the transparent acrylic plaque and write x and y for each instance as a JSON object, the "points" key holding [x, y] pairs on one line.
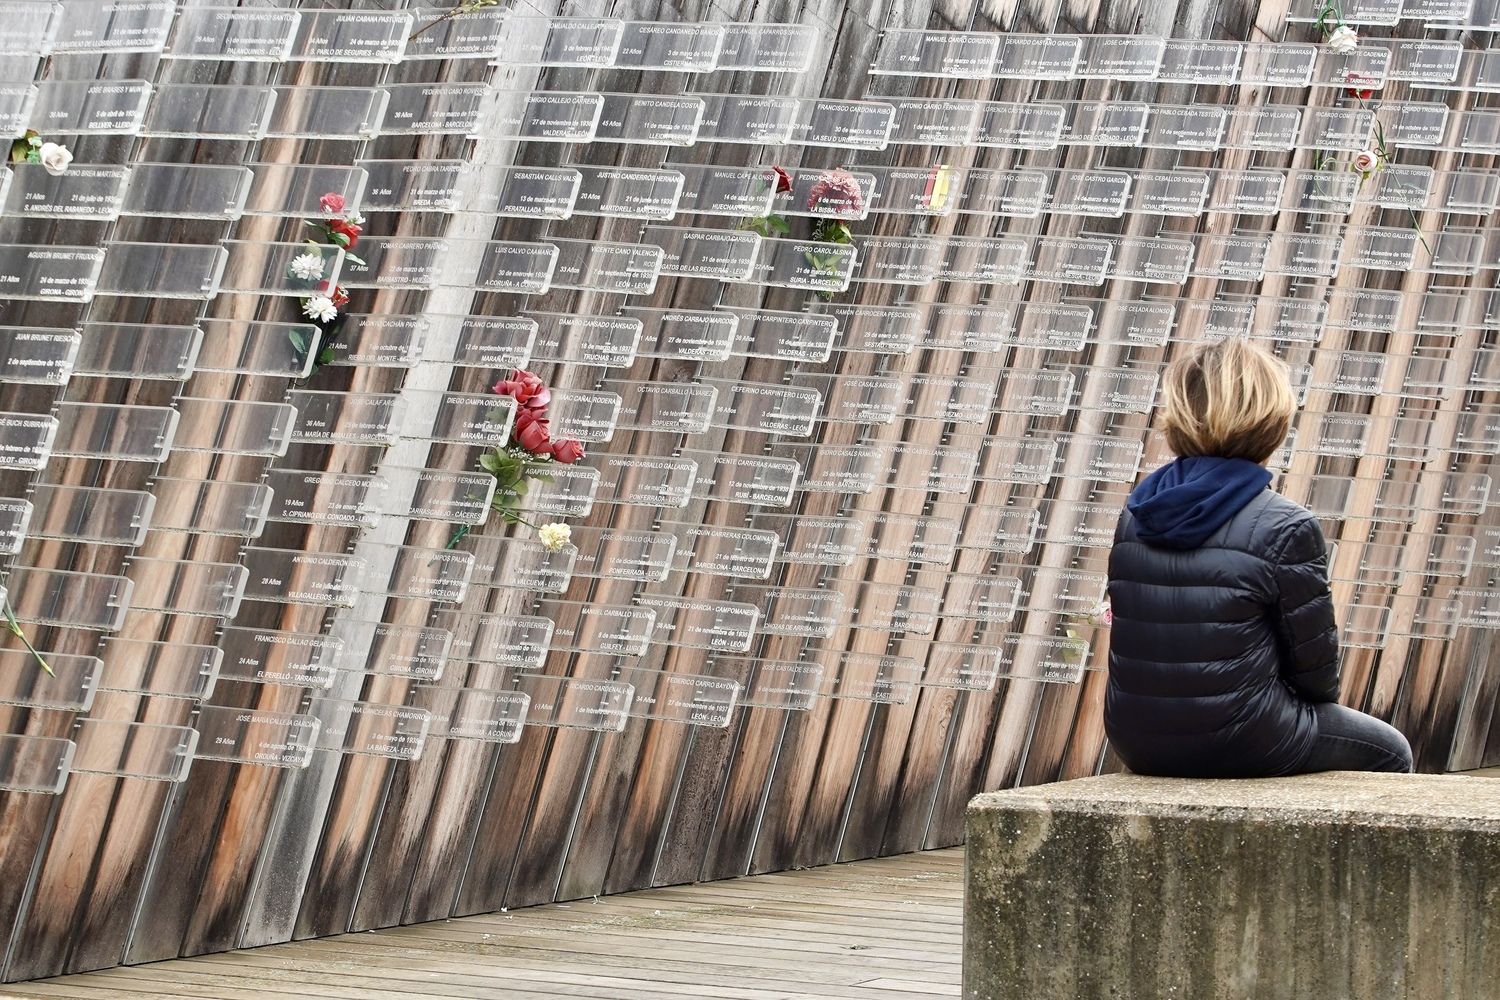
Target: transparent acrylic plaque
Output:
{"points": [[128, 350], [234, 427], [830, 194], [433, 108], [1104, 123], [1273, 128], [1354, 12], [522, 563], [29, 27], [295, 190], [402, 651], [1185, 127], [900, 260], [768, 48], [1146, 323], [1120, 57], [37, 355], [982, 598], [88, 514], [685, 408], [326, 497], [295, 577], [1191, 61], [1048, 659], [162, 271], [211, 507], [114, 26], [83, 192], [934, 122], [561, 41], [911, 538], [77, 107], [1036, 57], [370, 728], [817, 541], [684, 334], [738, 192], [691, 699], [15, 519], [50, 273], [844, 124], [120, 433], [133, 749], [723, 255], [752, 480], [362, 36], [874, 329], [193, 111], [427, 185], [570, 493], [967, 668], [612, 554], [518, 642], [1233, 258], [77, 600], [473, 714], [542, 117], [915, 190], [525, 268], [478, 34], [346, 418], [732, 552], [788, 336], [495, 342], [179, 587], [417, 573], [649, 119], [1421, 60], [600, 628], [629, 193], [244, 736], [1018, 194], [68, 687], [1001, 529], [683, 47], [34, 763], [623, 268], [1007, 125], [784, 684], [915, 52], [576, 703], [770, 409], [795, 611], [1088, 192], [866, 400], [818, 267], [16, 100], [744, 119], [1111, 460], [909, 610], [394, 262], [584, 415], [306, 112], [852, 469], [440, 495], [701, 624], [233, 35], [645, 481], [186, 191], [1070, 261], [1410, 124], [470, 418], [26, 440], [1151, 261]]}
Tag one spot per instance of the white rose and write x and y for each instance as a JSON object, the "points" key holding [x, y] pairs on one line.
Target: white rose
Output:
{"points": [[320, 309], [1366, 161], [54, 158], [1343, 39], [307, 266], [554, 536]]}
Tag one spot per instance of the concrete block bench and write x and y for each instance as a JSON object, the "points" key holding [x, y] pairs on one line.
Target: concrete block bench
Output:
{"points": [[1337, 886]]}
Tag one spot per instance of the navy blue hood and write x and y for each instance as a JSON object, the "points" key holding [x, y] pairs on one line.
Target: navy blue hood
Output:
{"points": [[1181, 504]]}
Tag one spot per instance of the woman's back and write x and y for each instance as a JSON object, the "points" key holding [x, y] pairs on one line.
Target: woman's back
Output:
{"points": [[1203, 626]]}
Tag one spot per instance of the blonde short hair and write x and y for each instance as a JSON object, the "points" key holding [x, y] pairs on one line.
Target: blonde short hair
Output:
{"points": [[1228, 399]]}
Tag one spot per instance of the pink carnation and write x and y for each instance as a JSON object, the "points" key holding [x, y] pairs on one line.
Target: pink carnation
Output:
{"points": [[836, 189], [332, 202]]}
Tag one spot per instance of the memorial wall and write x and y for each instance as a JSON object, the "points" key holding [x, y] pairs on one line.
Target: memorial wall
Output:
{"points": [[458, 457]]}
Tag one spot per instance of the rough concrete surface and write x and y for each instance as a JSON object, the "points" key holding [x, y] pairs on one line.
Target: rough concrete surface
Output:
{"points": [[1342, 886]]}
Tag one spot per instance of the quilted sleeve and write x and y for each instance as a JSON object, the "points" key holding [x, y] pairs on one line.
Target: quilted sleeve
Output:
{"points": [[1303, 613]]}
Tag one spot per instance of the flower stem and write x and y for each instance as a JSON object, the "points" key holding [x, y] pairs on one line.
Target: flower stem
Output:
{"points": [[14, 627]]}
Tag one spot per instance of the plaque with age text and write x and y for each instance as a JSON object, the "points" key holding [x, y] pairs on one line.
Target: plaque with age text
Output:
{"points": [[694, 699], [49, 273], [794, 611], [967, 668], [625, 268], [495, 342], [525, 268], [684, 334], [784, 684], [401, 651], [748, 479], [472, 714], [603, 341], [29, 28], [901, 609], [518, 642], [771, 409], [734, 552], [433, 108], [26, 440], [233, 34], [685, 47], [114, 26], [628, 193], [1047, 659], [915, 52], [876, 677], [649, 119], [722, 255], [748, 119], [1020, 126], [934, 122], [645, 481], [367, 36], [844, 124], [911, 538], [542, 117], [621, 630], [303, 577], [83, 192], [76, 107], [767, 48], [783, 335], [1191, 61], [371, 728], [701, 624], [561, 41], [576, 702], [243, 736], [677, 407]]}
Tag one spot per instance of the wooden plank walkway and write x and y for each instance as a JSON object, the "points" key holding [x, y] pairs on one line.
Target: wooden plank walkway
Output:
{"points": [[887, 929]]}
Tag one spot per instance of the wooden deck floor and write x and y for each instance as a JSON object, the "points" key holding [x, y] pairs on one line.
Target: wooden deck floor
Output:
{"points": [[888, 929]]}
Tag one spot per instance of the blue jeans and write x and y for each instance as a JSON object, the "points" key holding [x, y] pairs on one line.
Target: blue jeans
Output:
{"points": [[1353, 741]]}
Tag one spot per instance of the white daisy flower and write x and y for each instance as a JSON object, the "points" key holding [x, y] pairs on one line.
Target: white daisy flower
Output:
{"points": [[307, 266], [320, 309]]}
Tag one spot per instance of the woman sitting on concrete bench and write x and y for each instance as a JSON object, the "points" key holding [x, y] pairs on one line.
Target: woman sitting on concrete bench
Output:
{"points": [[1224, 654]]}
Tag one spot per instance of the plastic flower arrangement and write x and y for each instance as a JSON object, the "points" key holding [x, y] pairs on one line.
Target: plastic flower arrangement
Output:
{"points": [[525, 459], [324, 306]]}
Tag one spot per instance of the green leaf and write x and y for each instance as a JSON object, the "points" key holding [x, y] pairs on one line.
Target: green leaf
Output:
{"points": [[521, 487], [779, 224], [359, 262], [325, 356], [299, 341], [338, 239], [490, 462]]}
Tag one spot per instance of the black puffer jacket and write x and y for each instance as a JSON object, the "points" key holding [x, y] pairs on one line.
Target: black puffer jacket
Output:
{"points": [[1217, 653]]}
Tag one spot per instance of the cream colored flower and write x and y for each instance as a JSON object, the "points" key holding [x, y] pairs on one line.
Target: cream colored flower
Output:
{"points": [[307, 266], [1366, 161], [1343, 39], [54, 158], [320, 309], [554, 536]]}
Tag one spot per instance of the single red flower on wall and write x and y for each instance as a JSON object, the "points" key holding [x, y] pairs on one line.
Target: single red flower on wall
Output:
{"points": [[332, 202], [526, 389], [1363, 95], [567, 451], [783, 180]]}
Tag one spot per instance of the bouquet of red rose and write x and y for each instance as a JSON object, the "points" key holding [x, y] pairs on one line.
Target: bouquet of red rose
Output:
{"points": [[532, 449]]}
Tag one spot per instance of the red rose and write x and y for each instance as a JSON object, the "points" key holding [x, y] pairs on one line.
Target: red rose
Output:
{"points": [[532, 435], [339, 296], [1363, 95], [783, 180], [332, 202], [347, 229], [526, 389], [567, 451]]}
